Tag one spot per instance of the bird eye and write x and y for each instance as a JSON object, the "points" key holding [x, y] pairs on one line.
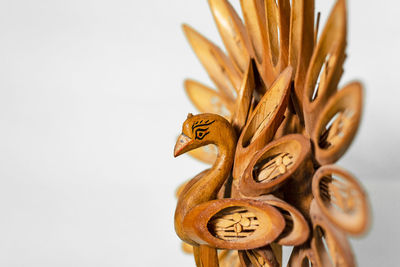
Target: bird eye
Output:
{"points": [[201, 133]]}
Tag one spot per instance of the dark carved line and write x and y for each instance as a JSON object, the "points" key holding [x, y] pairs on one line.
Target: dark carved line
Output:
{"points": [[201, 138], [197, 124]]}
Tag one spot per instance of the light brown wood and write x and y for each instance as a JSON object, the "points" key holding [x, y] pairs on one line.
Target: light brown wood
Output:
{"points": [[301, 45], [326, 64], [243, 101], [198, 131], [207, 154], [337, 251], [332, 138], [261, 257], [341, 199], [206, 256], [275, 121], [232, 32], [302, 256], [218, 66], [229, 258], [207, 100]]}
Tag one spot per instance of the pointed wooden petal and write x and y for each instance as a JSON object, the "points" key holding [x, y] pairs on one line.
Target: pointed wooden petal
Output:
{"points": [[302, 256], [207, 100], [232, 31], [338, 250], [243, 100], [229, 258], [254, 17], [301, 45], [205, 255], [263, 123], [259, 257], [206, 154], [278, 26], [183, 188], [216, 63], [326, 64], [187, 248], [337, 124], [224, 223]]}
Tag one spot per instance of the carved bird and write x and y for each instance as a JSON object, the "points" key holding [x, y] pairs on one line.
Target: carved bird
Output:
{"points": [[282, 122], [234, 223]]}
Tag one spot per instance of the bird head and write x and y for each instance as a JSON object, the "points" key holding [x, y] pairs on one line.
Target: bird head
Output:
{"points": [[200, 130]]}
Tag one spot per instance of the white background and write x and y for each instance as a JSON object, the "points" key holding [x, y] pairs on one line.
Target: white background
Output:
{"points": [[91, 101]]}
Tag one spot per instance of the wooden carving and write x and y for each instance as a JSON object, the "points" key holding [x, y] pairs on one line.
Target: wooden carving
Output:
{"points": [[272, 129]]}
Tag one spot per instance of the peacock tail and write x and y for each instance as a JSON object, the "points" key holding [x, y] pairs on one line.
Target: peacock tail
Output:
{"points": [[277, 84]]}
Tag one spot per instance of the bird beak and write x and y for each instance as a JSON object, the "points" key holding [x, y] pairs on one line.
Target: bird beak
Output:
{"points": [[182, 145]]}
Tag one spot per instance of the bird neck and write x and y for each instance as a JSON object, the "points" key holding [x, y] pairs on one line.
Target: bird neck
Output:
{"points": [[208, 186]]}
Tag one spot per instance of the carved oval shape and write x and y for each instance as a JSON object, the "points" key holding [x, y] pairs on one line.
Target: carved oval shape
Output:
{"points": [[263, 122], [337, 124], [234, 224], [325, 65], [207, 100], [274, 164], [296, 230], [341, 199], [328, 242], [215, 62]]}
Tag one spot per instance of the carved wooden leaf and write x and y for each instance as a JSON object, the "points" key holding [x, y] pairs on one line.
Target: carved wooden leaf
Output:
{"points": [[278, 25], [243, 101], [326, 65], [301, 33], [329, 245], [341, 199], [206, 100], [260, 257], [232, 32], [337, 124], [229, 258], [216, 63], [206, 154], [263, 123], [254, 17]]}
